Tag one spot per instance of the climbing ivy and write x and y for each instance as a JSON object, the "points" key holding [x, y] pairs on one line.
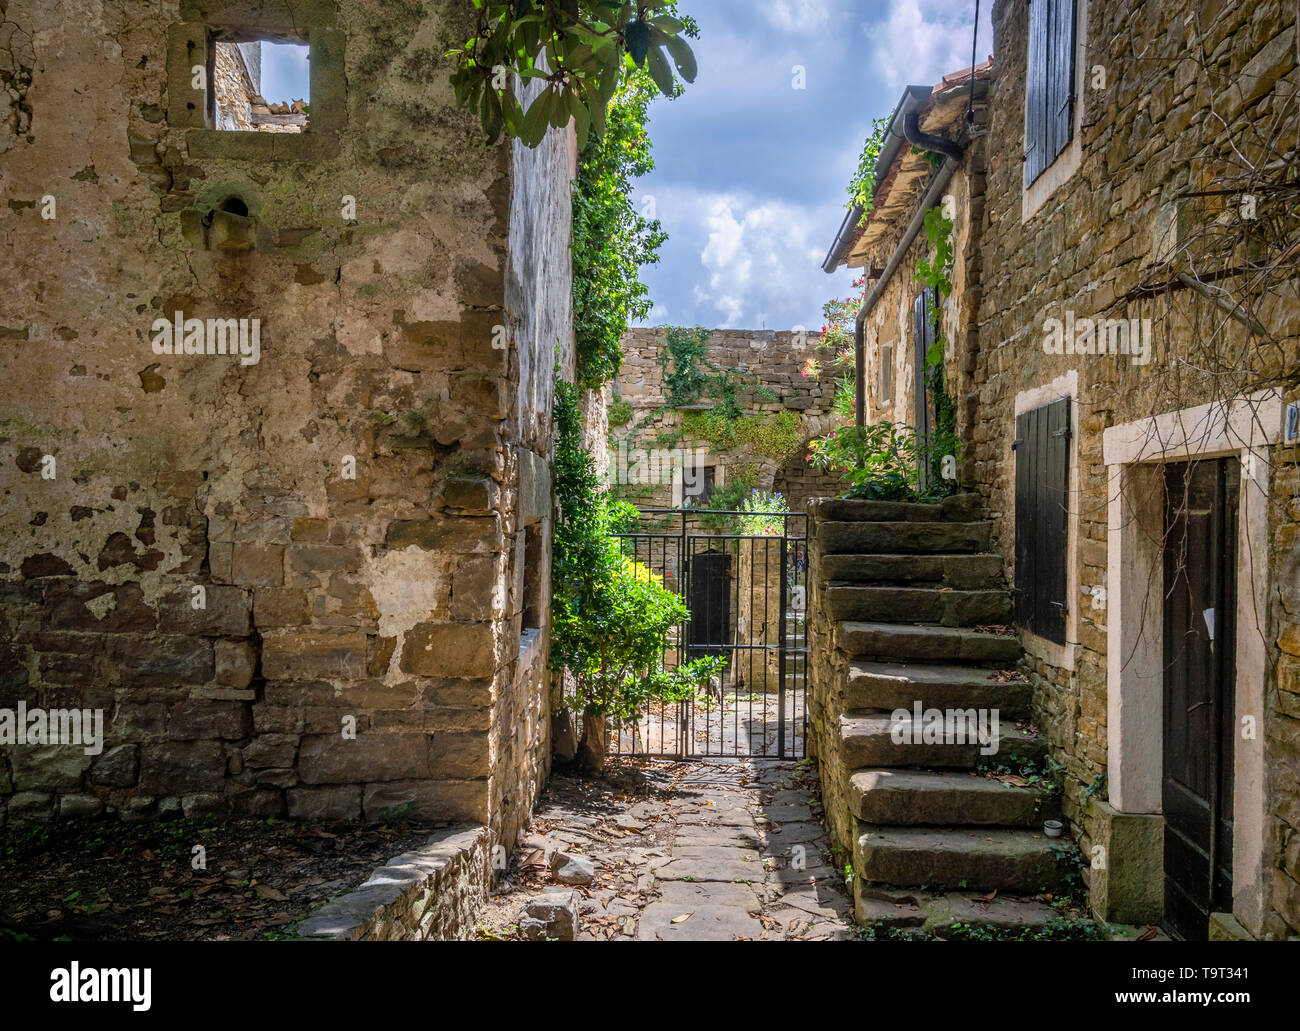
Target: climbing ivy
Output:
{"points": [[611, 240], [683, 363], [862, 186], [935, 272]]}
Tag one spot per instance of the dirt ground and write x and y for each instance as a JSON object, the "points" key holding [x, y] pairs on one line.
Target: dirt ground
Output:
{"points": [[112, 881]]}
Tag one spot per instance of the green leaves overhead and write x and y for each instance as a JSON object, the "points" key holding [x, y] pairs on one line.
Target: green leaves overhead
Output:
{"points": [[580, 48]]}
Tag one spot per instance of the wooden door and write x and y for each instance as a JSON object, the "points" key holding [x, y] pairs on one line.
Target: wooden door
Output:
{"points": [[1200, 570]]}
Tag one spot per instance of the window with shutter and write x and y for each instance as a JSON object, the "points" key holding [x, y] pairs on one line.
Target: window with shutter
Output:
{"points": [[1042, 506], [923, 335], [886, 383], [1049, 84]]}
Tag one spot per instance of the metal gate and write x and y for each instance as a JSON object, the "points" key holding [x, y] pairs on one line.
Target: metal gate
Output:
{"points": [[747, 592]]}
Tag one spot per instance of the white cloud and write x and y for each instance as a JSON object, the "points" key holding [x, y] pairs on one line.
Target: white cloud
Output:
{"points": [[797, 16], [920, 41], [759, 258]]}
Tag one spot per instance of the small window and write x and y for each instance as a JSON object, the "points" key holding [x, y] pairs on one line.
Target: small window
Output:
{"points": [[1049, 84], [697, 489], [885, 380], [534, 599], [1042, 448], [259, 86]]}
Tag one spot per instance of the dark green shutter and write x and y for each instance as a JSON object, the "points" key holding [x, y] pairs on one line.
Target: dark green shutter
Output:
{"points": [[1060, 76], [1036, 91], [1042, 448], [1049, 84]]}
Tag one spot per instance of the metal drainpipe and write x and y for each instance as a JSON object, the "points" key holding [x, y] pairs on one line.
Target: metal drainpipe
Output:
{"points": [[895, 259]]}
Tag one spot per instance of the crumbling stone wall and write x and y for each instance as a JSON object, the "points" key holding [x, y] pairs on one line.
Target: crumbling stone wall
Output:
{"points": [[242, 562], [767, 365]]}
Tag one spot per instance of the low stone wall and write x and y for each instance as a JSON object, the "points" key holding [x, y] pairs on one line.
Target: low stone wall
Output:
{"points": [[433, 894]]}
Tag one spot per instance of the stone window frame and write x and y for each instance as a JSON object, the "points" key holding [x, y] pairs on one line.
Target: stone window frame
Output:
{"points": [[1062, 656], [1135, 454], [191, 42], [699, 458], [1036, 194]]}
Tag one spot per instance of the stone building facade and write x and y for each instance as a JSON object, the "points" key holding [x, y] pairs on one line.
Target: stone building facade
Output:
{"points": [[665, 453], [1162, 174], [304, 577]]}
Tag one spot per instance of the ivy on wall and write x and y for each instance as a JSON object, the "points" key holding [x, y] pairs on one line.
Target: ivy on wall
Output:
{"points": [[683, 363], [611, 239]]}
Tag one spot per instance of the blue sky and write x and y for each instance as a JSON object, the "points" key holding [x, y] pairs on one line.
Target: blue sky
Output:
{"points": [[750, 173], [284, 72]]}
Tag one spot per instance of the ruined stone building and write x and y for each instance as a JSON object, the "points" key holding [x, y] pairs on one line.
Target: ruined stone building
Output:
{"points": [[275, 414], [668, 450], [1130, 457]]}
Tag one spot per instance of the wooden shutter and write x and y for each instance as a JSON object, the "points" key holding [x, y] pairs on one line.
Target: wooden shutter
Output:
{"points": [[1042, 449], [1049, 84], [1036, 90], [887, 374], [1060, 77]]}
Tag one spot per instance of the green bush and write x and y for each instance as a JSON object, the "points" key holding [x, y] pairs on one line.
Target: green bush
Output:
{"points": [[610, 617]]}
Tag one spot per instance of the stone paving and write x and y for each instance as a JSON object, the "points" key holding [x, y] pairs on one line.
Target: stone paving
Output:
{"points": [[706, 850]]}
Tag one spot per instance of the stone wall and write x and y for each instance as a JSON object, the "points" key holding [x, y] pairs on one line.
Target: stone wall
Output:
{"points": [[1154, 133], [767, 365], [241, 562], [435, 893]]}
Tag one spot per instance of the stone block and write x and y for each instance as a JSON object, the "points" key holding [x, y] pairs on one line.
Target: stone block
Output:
{"points": [[225, 611], [198, 719], [324, 803], [1130, 888], [182, 767], [429, 800], [117, 768], [458, 650], [235, 661], [48, 767], [258, 565], [319, 651], [333, 759], [280, 607]]}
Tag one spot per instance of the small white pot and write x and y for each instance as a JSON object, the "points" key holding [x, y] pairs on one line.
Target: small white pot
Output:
{"points": [[1053, 828]]}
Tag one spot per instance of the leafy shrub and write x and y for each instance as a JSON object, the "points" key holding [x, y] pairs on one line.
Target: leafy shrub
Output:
{"points": [[610, 617], [761, 523]]}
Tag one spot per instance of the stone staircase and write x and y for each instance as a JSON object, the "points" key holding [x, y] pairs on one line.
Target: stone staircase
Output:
{"points": [[898, 592]]}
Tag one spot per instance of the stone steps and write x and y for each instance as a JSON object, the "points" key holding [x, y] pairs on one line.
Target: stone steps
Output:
{"points": [[962, 571], [869, 740], [884, 641], [961, 508], [896, 685], [910, 909], [919, 604], [1020, 861], [908, 798], [903, 538]]}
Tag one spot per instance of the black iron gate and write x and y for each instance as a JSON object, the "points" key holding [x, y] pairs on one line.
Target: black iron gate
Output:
{"points": [[744, 577]]}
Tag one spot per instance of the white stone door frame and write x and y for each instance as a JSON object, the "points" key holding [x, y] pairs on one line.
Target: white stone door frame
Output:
{"points": [[1135, 454]]}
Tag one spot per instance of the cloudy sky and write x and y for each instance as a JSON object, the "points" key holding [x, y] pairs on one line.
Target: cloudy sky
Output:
{"points": [[751, 173]]}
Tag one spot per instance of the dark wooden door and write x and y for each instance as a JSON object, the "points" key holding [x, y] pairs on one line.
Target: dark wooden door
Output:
{"points": [[710, 602], [1200, 569]]}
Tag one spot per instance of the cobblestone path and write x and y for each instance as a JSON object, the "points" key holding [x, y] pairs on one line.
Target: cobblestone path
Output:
{"points": [[683, 851]]}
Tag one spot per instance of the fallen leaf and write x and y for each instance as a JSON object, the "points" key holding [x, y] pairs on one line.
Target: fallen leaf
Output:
{"points": [[265, 891], [684, 917]]}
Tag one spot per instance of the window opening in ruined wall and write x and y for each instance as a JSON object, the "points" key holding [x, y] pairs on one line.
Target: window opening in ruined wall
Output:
{"points": [[260, 86]]}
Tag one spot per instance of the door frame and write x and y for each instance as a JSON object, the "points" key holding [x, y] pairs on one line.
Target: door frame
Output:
{"points": [[1135, 454]]}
